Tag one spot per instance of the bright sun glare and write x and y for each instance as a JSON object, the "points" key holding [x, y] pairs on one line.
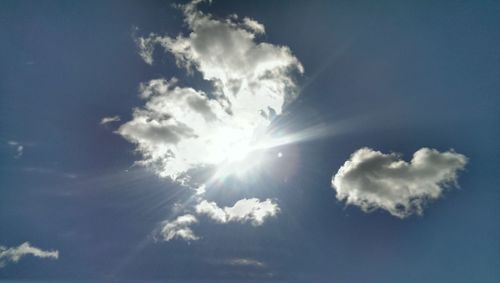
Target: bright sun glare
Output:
{"points": [[242, 156]]}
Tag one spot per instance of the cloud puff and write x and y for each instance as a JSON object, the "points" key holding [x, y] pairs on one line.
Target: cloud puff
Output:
{"points": [[179, 228], [245, 210], [14, 254], [107, 120], [180, 128], [371, 179]]}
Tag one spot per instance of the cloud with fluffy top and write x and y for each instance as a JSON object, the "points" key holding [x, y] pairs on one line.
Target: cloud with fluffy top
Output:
{"points": [[179, 229], [15, 254], [245, 210], [180, 128], [373, 180]]}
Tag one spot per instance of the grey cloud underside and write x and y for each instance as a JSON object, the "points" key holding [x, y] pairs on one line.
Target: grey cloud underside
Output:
{"points": [[373, 180]]}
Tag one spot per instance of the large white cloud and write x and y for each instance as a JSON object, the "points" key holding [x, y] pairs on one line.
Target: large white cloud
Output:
{"points": [[14, 254], [179, 229], [181, 128], [371, 179], [245, 210]]}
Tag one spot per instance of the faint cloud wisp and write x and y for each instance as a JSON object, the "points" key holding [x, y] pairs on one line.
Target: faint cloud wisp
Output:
{"points": [[15, 254]]}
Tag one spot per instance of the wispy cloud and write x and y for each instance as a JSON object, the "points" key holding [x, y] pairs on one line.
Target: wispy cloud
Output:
{"points": [[50, 171], [373, 180], [250, 262], [111, 119], [15, 254]]}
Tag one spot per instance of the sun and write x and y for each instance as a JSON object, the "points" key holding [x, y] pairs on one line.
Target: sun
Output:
{"points": [[238, 151], [241, 157]]}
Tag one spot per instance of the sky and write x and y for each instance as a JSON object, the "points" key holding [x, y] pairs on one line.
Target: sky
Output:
{"points": [[254, 141]]}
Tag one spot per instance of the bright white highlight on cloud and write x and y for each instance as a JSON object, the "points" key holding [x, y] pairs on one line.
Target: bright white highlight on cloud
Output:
{"points": [[179, 228], [245, 210], [180, 128], [371, 179], [14, 254]]}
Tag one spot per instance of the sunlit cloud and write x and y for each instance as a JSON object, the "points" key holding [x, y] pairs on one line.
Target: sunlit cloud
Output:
{"points": [[15, 254], [373, 180], [198, 138], [245, 210], [179, 229], [180, 128]]}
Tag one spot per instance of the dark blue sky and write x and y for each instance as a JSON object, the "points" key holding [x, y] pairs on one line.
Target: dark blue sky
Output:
{"points": [[397, 75]]}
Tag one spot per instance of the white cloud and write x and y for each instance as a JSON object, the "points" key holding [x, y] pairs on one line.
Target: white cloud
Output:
{"points": [[245, 210], [179, 228], [14, 254], [111, 119], [371, 179], [253, 25], [180, 128]]}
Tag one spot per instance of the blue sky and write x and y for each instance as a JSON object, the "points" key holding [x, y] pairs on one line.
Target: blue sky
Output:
{"points": [[391, 76]]}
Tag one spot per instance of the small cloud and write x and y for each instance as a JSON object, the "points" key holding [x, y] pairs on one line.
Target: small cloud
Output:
{"points": [[373, 180], [179, 228], [245, 210], [14, 254], [19, 151], [245, 262], [18, 147], [107, 120], [254, 26], [200, 190]]}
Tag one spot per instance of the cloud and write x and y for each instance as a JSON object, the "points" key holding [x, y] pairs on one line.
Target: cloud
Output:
{"points": [[19, 148], [245, 210], [180, 128], [107, 120], [254, 26], [14, 254], [373, 180], [179, 228], [245, 262]]}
